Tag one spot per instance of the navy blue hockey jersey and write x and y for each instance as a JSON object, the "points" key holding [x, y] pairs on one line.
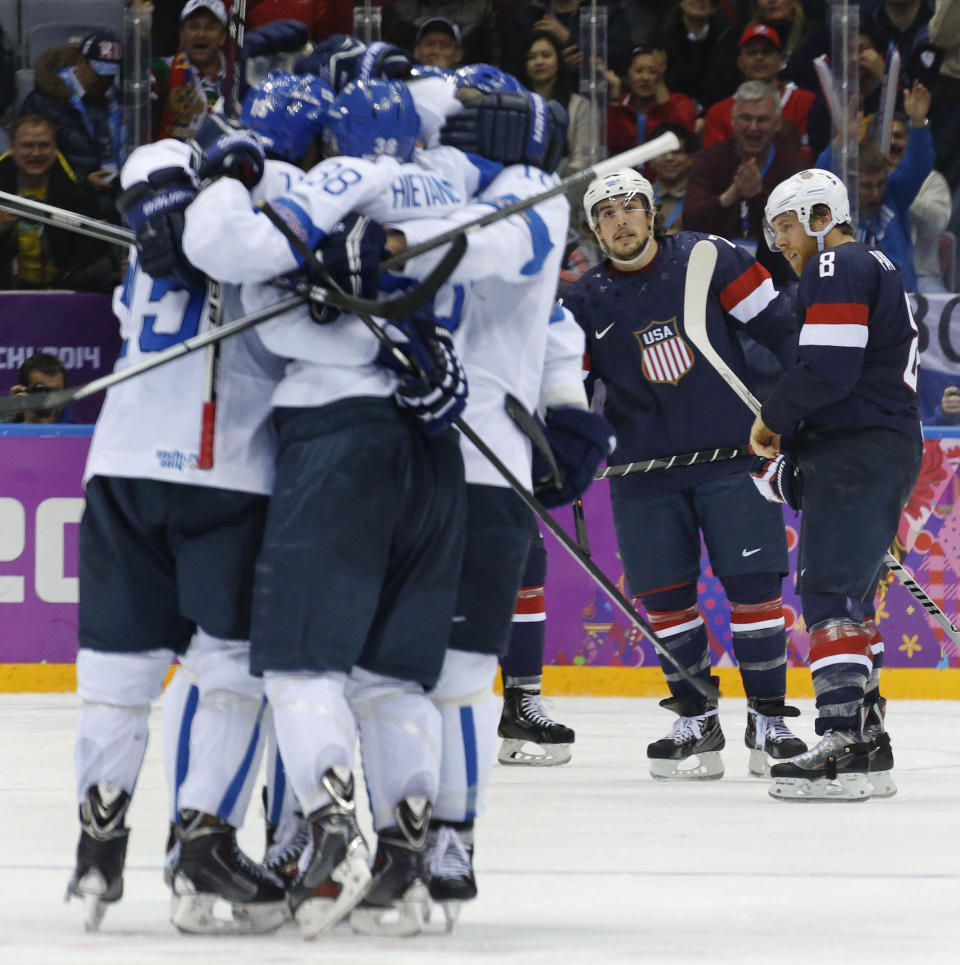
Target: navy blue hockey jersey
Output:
{"points": [[662, 397], [858, 348]]}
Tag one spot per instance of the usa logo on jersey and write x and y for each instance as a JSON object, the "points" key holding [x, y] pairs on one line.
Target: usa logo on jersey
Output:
{"points": [[666, 356]]}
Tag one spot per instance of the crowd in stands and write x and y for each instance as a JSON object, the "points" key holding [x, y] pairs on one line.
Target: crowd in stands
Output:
{"points": [[735, 77]]}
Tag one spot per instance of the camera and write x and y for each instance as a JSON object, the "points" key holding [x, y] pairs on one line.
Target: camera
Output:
{"points": [[40, 387]]}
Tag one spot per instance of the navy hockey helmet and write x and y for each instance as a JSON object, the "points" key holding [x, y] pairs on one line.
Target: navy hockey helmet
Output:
{"points": [[288, 111], [374, 117]]}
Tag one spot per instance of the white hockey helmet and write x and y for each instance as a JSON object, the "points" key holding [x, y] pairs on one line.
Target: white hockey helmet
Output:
{"points": [[623, 182], [799, 193]]}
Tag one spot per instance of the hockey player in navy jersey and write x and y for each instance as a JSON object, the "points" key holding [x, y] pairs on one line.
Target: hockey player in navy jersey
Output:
{"points": [[662, 398], [851, 402]]}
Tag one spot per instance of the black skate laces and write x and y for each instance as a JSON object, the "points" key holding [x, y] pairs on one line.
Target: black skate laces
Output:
{"points": [[449, 857]]}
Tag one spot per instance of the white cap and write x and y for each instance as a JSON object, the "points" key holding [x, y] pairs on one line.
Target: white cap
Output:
{"points": [[215, 7]]}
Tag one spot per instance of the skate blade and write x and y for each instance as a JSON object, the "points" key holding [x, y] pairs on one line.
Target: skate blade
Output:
{"points": [[845, 788], [213, 915], [697, 767], [318, 915], [405, 917], [515, 752], [90, 890], [759, 763], [451, 913], [883, 784]]}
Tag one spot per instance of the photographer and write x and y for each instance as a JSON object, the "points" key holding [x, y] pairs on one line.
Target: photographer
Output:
{"points": [[38, 373]]}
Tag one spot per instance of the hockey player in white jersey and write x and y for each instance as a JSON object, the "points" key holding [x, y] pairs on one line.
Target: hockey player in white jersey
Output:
{"points": [[166, 560], [356, 582], [499, 302]]}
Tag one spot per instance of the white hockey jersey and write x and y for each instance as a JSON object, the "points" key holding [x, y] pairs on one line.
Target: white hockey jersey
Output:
{"points": [[228, 239], [149, 426], [499, 302]]}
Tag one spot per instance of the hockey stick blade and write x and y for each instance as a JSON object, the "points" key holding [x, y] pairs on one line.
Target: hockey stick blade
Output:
{"points": [[15, 404], [696, 290], [636, 156], [673, 462]]}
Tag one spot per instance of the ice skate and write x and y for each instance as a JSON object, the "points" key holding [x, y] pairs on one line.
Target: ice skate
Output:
{"points": [[691, 751], [450, 863], [834, 770], [881, 751], [767, 734], [101, 851], [397, 902], [217, 889], [333, 869], [285, 843], [530, 735], [171, 854]]}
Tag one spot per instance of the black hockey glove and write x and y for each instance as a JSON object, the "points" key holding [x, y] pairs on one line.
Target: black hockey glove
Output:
{"points": [[511, 129], [154, 210], [225, 148], [272, 39], [580, 441], [777, 480], [351, 255], [438, 396]]}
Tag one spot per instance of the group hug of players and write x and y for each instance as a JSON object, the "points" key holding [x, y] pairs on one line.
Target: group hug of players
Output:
{"points": [[346, 573]]}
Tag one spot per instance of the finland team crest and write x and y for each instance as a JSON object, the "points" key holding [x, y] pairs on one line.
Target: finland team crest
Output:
{"points": [[666, 356]]}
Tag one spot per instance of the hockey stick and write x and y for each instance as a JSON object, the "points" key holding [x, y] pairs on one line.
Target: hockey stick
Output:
{"points": [[634, 157], [703, 257], [14, 404], [235, 30], [707, 690], [672, 462], [394, 308]]}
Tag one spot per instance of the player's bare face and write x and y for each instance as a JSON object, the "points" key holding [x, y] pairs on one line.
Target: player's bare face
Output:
{"points": [[622, 226], [793, 241]]}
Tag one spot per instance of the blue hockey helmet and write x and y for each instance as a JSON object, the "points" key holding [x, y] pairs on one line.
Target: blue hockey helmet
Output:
{"points": [[384, 62], [374, 117], [487, 79], [288, 111], [430, 70], [334, 60]]}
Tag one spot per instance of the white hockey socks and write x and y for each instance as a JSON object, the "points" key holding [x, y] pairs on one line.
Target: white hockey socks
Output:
{"points": [[464, 697], [180, 699], [316, 730], [400, 735], [226, 738], [116, 690]]}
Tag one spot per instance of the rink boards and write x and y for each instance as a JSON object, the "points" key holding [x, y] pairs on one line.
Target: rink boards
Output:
{"points": [[592, 649]]}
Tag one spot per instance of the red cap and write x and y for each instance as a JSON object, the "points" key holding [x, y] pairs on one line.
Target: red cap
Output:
{"points": [[761, 30]]}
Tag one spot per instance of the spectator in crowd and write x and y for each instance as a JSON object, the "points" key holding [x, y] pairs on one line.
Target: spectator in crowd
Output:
{"points": [[701, 46], [188, 84], [949, 412], [76, 89], [322, 17], [670, 173], [41, 371], [33, 255], [800, 39], [562, 18], [475, 19], [438, 44], [885, 197], [905, 24], [929, 212], [871, 71], [635, 114], [945, 94], [543, 75], [8, 71], [730, 182], [760, 58]]}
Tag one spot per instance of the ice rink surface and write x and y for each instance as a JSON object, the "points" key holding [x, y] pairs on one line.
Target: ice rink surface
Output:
{"points": [[589, 862]]}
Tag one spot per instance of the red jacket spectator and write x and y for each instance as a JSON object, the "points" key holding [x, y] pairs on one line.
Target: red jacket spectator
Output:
{"points": [[634, 115], [323, 17]]}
